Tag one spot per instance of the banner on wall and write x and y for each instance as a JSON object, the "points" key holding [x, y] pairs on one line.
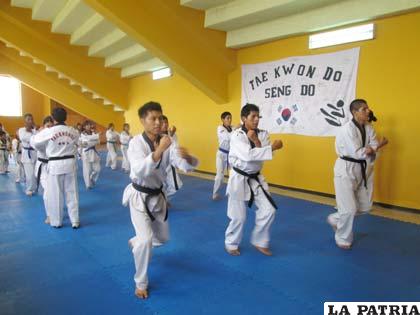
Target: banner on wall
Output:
{"points": [[308, 95]]}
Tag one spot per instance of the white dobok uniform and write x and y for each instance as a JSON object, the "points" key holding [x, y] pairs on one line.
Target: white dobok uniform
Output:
{"points": [[147, 201], [124, 140], [222, 157], [17, 155], [173, 181], [350, 181], [90, 158], [41, 175], [111, 145], [60, 144], [247, 184], [28, 158]]}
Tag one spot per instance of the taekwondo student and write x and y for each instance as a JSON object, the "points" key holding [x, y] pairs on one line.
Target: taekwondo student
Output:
{"points": [[17, 155], [172, 182], [249, 148], [4, 153], [90, 156], [28, 154], [222, 156], [125, 138], [111, 145], [60, 143], [355, 143], [150, 154]]}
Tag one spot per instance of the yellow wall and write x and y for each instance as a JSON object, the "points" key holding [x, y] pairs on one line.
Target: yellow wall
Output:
{"points": [[32, 102], [388, 78]]}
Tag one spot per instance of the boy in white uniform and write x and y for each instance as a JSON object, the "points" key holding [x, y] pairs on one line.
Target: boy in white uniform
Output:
{"points": [[4, 153], [111, 145], [17, 155], [172, 182], [355, 143], [149, 154], [222, 156], [90, 156], [125, 138], [249, 148], [60, 143], [28, 153]]}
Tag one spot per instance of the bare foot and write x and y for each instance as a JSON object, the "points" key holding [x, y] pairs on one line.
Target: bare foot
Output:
{"points": [[47, 220], [142, 294], [216, 197], [130, 244], [264, 250], [233, 252]]}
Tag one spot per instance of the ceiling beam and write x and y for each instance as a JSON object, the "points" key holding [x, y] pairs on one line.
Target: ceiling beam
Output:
{"points": [[142, 68], [49, 84], [176, 36], [339, 14], [54, 50]]}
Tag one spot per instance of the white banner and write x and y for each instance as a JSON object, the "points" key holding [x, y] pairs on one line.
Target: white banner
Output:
{"points": [[308, 95]]}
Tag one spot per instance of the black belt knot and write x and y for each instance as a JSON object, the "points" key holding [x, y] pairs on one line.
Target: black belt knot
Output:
{"points": [[150, 192], [363, 165]]}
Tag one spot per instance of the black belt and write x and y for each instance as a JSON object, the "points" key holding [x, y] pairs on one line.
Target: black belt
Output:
{"points": [[174, 176], [362, 163], [38, 175], [255, 177], [56, 158], [150, 192]]}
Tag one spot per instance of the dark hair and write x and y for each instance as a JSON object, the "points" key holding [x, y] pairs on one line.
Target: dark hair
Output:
{"points": [[110, 125], [164, 118], [149, 107], [59, 114], [47, 120], [356, 104], [128, 125], [2, 133], [248, 108], [224, 114], [87, 122], [372, 117], [27, 115]]}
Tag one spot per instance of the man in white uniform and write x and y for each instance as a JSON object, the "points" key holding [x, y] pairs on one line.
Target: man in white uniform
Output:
{"points": [[28, 153], [111, 145], [125, 138], [4, 153], [149, 154], [355, 143], [17, 155], [60, 143], [90, 156], [249, 148], [41, 169], [173, 182], [222, 156]]}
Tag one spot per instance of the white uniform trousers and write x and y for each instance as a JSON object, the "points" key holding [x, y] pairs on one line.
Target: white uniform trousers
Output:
{"points": [[111, 157], [352, 198], [4, 161], [19, 170], [30, 177], [63, 187], [147, 233], [264, 218], [125, 163], [91, 172], [221, 167]]}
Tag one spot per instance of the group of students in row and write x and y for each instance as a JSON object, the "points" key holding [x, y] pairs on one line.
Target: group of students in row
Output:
{"points": [[155, 154]]}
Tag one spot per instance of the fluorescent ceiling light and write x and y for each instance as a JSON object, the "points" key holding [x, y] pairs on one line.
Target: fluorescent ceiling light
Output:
{"points": [[346, 35], [162, 73]]}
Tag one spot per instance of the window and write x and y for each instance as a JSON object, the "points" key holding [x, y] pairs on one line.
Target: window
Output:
{"points": [[10, 97], [345, 35], [163, 73]]}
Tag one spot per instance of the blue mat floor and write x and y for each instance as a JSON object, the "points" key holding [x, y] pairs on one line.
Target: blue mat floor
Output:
{"points": [[90, 270]]}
